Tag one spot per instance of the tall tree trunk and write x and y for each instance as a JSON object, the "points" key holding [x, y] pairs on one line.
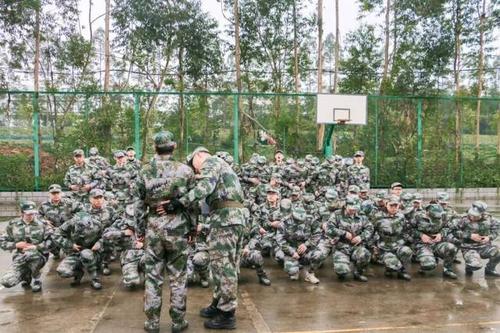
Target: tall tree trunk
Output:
{"points": [[482, 18], [321, 128], [107, 54], [456, 71], [237, 62], [337, 47], [386, 47], [296, 67]]}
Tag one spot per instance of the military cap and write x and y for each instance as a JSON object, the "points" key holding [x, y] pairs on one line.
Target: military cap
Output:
{"points": [[96, 192], [28, 207], [396, 184], [308, 197], [296, 190], [189, 158], [348, 161], [359, 153], [443, 197], [381, 194], [352, 202], [481, 206], [276, 175], [129, 148], [119, 153], [279, 152], [78, 152], [261, 160], [435, 211], [331, 194], [55, 188], [163, 139], [417, 196], [391, 199], [474, 211], [93, 151], [286, 205], [406, 197], [299, 214], [353, 189], [270, 189], [363, 188]]}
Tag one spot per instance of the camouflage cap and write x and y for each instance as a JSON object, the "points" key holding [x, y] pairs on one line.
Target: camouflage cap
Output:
{"points": [[286, 205], [308, 197], [315, 160], [189, 158], [352, 202], [296, 190], [380, 195], [224, 155], [301, 162], [163, 139], [474, 211], [331, 194], [129, 148], [443, 197], [392, 199], [363, 188], [396, 184], [359, 153], [299, 214], [435, 211], [348, 161], [353, 189], [78, 152], [276, 175], [55, 188], [308, 157], [481, 206], [418, 197], [96, 192], [279, 152], [28, 207], [270, 189], [261, 160], [406, 197], [93, 151], [121, 196], [119, 154]]}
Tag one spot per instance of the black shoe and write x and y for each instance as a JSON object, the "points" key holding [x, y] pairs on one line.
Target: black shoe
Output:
{"points": [[152, 326], [179, 327], [263, 279], [77, 279], [469, 271], [211, 310], [342, 277], [358, 276], [491, 272], [26, 283], [37, 286], [223, 320], [448, 273], [106, 271], [456, 261], [96, 284], [404, 276]]}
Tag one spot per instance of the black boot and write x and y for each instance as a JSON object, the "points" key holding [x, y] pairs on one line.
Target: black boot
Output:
{"points": [[490, 271], [211, 310], [223, 320], [77, 278], [263, 278], [358, 276], [403, 275]]}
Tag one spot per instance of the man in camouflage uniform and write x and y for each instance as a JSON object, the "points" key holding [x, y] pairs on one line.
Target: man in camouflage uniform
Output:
{"points": [[396, 189], [121, 177], [430, 234], [81, 178], [475, 233], [358, 174], [123, 232], [167, 229], [107, 216], [352, 232], [267, 222], [390, 227], [56, 211], [81, 239], [219, 186], [97, 161], [29, 238], [298, 238], [132, 162]]}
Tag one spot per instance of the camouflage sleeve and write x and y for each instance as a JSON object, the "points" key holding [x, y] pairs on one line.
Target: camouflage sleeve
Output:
{"points": [[67, 180], [140, 205], [282, 243], [61, 235], [332, 228], [114, 232], [315, 234], [205, 185], [7, 241], [454, 234], [46, 241], [368, 230], [494, 229]]}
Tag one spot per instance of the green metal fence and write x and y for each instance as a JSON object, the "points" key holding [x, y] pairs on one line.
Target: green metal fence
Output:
{"points": [[416, 140]]}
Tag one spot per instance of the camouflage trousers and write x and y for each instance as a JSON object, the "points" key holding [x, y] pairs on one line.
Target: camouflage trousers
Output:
{"points": [[165, 252], [253, 259], [74, 264], [198, 266], [312, 258], [268, 244], [473, 256], [426, 255], [397, 258], [132, 262], [358, 255], [225, 245], [25, 266]]}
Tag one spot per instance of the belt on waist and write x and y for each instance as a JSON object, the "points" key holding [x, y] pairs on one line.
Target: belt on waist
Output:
{"points": [[220, 204]]}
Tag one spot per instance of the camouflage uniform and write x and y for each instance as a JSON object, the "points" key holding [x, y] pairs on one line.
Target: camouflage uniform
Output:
{"points": [[121, 178], [485, 226], [86, 232], [166, 235], [431, 224], [98, 162], [294, 231], [338, 227], [394, 254], [133, 254], [199, 257], [219, 185], [81, 176], [26, 265]]}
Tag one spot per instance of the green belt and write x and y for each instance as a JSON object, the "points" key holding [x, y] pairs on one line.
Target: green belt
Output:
{"points": [[220, 204]]}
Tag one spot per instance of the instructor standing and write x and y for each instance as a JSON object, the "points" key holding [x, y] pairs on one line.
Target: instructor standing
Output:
{"points": [[218, 184]]}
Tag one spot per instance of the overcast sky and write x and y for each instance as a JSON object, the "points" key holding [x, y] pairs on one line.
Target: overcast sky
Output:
{"points": [[348, 14]]}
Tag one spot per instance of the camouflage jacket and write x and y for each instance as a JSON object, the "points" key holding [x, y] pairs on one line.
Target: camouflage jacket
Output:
{"points": [[358, 175], [292, 233], [390, 230], [36, 233], [423, 224], [81, 176], [57, 214], [83, 232], [106, 215], [462, 228], [340, 224]]}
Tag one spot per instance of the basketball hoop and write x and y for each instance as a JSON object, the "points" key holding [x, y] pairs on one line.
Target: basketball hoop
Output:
{"points": [[341, 121], [341, 109]]}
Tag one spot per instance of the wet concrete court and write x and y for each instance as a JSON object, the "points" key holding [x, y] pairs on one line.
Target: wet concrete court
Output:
{"points": [[426, 304]]}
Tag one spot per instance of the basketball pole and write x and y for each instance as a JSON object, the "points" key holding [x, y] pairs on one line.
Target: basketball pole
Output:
{"points": [[327, 141]]}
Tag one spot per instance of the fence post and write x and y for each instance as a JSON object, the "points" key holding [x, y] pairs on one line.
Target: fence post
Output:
{"points": [[36, 139], [419, 143], [375, 174], [137, 125], [86, 110], [236, 127]]}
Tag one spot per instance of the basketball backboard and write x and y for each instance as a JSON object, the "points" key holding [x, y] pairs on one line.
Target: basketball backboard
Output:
{"points": [[343, 109]]}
